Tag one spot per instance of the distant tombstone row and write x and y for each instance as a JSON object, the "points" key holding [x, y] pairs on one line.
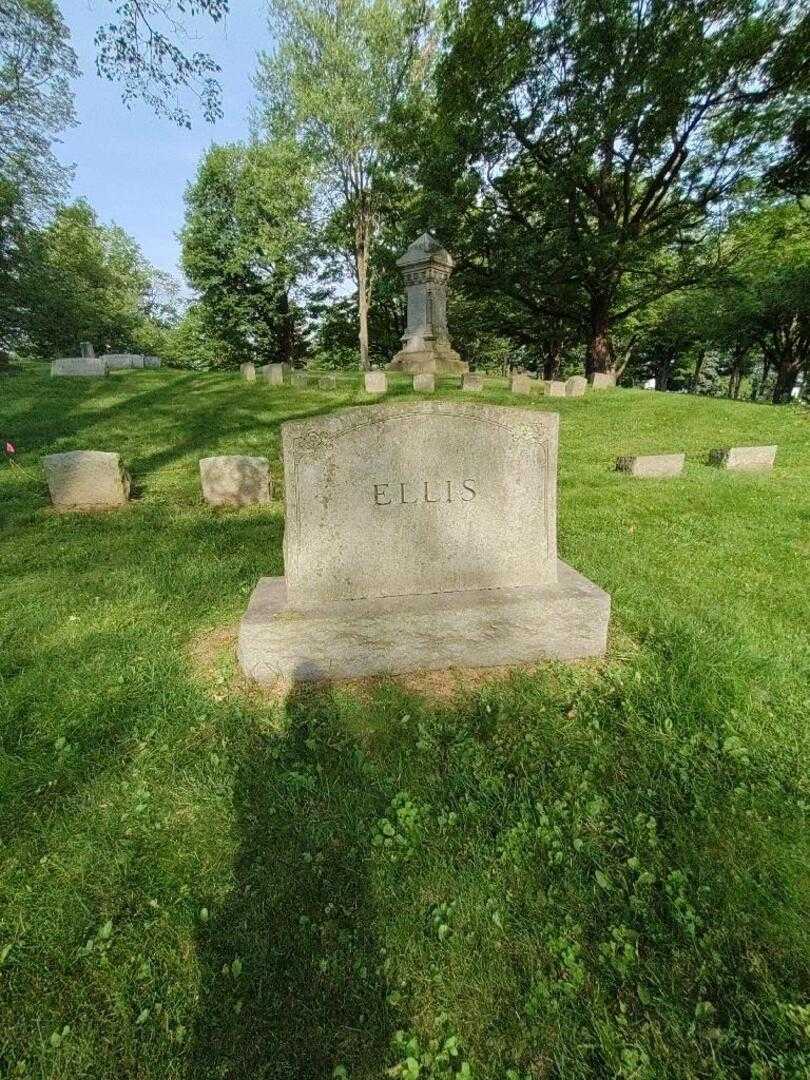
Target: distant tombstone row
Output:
{"points": [[90, 366]]}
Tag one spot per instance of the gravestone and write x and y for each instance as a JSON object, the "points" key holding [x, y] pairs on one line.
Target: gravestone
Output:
{"points": [[86, 480], [79, 366], [235, 480], [86, 349], [327, 382], [120, 361], [376, 382], [426, 347], [419, 536], [744, 458], [554, 388], [652, 465], [603, 380], [248, 372], [275, 373], [151, 362], [522, 384], [425, 381], [299, 378], [576, 386], [472, 382]]}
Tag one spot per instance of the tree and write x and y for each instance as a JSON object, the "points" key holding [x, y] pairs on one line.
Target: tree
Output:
{"points": [[630, 121], [245, 242], [338, 69], [36, 101]]}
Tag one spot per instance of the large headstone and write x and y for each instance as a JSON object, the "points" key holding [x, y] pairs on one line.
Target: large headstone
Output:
{"points": [[554, 388], [426, 347], [248, 372], [86, 480], [80, 366], [744, 458], [576, 386], [603, 380], [235, 480], [419, 536], [275, 373], [123, 361]]}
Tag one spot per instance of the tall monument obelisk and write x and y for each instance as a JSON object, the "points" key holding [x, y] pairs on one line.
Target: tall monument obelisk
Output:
{"points": [[426, 266]]}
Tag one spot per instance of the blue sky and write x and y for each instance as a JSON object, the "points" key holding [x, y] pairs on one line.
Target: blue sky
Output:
{"points": [[133, 166]]}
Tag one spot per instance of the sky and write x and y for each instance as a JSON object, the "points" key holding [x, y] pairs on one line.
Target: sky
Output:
{"points": [[133, 166]]}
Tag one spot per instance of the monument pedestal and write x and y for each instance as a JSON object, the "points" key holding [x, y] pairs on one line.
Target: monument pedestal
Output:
{"points": [[566, 620], [438, 361]]}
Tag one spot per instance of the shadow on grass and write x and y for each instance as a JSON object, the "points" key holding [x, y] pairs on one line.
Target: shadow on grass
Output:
{"points": [[293, 980]]}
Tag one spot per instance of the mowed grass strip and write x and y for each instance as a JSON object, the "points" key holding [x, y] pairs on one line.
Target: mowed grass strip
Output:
{"points": [[587, 871]]}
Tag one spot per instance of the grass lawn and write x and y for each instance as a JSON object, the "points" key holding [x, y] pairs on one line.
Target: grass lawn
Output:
{"points": [[598, 870]]}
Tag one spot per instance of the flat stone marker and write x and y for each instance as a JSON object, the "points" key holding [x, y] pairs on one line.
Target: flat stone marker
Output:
{"points": [[652, 465], [425, 381], [419, 536], [522, 384], [603, 380], [248, 372], [86, 480], [299, 378], [576, 386], [79, 366], [744, 458], [235, 480], [554, 388], [327, 382], [472, 382], [376, 382]]}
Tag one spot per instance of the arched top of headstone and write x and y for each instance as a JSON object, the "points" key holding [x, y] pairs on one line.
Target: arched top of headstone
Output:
{"points": [[425, 250]]}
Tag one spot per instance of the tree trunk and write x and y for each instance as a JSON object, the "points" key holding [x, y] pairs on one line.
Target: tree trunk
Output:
{"points": [[735, 375], [786, 374], [552, 361], [361, 239], [701, 356], [662, 375], [599, 356], [286, 333]]}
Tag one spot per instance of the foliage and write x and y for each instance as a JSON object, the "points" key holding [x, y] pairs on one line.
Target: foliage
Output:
{"points": [[36, 100], [595, 870], [245, 242]]}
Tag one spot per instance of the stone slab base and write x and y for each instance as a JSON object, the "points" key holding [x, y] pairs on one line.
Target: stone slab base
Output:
{"points": [[426, 632], [436, 362]]}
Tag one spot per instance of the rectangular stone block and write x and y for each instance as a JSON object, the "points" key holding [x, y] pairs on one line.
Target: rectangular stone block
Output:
{"points": [[299, 379], [603, 380], [235, 480], [120, 361], [472, 382], [522, 384], [275, 373], [419, 536], [327, 382], [248, 372], [744, 458], [139, 362], [375, 382], [152, 362], [652, 465], [424, 381], [554, 388], [79, 366], [86, 480], [576, 386]]}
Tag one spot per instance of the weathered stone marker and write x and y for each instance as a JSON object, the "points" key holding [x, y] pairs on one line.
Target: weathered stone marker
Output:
{"points": [[522, 384], [652, 465], [248, 372], [420, 536], [79, 366], [472, 381], [327, 382], [376, 382], [554, 388], [274, 373], [576, 386], [425, 380], [299, 378], [603, 380], [235, 480], [86, 480], [426, 266], [151, 362], [122, 361], [86, 349], [744, 458]]}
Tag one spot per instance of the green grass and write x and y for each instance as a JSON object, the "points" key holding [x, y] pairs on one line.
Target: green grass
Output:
{"points": [[584, 871]]}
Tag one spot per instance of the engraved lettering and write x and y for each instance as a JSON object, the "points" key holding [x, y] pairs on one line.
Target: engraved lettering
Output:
{"points": [[403, 500], [427, 493], [449, 490], [381, 490], [467, 486]]}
